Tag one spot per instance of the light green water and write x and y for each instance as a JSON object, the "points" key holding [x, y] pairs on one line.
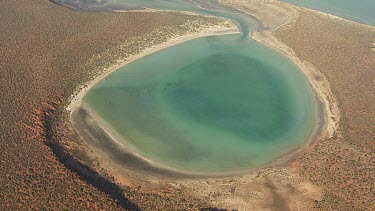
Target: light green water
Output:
{"points": [[362, 11], [214, 104]]}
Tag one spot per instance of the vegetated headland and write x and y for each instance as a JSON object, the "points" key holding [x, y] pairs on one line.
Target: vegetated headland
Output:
{"points": [[341, 50], [47, 51]]}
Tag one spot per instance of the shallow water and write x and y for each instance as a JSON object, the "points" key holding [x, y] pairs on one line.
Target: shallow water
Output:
{"points": [[213, 104], [362, 11]]}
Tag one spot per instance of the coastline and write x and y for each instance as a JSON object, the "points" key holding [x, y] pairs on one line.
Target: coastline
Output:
{"points": [[327, 110], [325, 126], [78, 111], [336, 48], [332, 16], [328, 115], [115, 154], [75, 99]]}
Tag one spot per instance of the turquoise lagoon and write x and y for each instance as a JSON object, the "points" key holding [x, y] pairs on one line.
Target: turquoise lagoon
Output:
{"points": [[213, 104], [216, 104]]}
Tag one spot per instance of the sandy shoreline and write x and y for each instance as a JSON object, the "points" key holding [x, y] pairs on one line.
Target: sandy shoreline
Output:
{"points": [[76, 98], [106, 144], [78, 111], [326, 105], [328, 114], [327, 110]]}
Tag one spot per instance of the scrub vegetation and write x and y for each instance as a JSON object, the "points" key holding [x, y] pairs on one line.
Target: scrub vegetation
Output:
{"points": [[46, 51], [345, 164]]}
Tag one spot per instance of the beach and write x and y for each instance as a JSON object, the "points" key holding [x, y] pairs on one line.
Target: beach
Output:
{"points": [[81, 115], [275, 15], [76, 98]]}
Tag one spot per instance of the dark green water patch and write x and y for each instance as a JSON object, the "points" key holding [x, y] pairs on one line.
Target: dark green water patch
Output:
{"points": [[235, 94], [215, 104]]}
